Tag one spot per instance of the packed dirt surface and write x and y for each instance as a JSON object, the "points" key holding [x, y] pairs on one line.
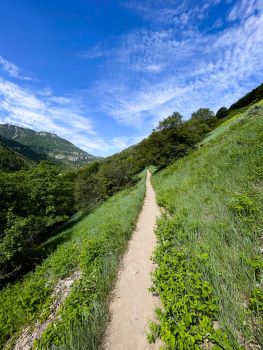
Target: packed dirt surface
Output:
{"points": [[133, 305], [61, 291]]}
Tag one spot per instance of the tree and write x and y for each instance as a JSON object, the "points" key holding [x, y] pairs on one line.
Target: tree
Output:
{"points": [[203, 114], [33, 202], [221, 113], [170, 122]]}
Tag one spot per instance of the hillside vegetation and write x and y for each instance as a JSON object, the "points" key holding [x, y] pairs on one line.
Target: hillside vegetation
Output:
{"points": [[37, 200], [209, 253], [91, 244], [33, 203]]}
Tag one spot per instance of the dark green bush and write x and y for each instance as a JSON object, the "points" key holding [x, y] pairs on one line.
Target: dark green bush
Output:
{"points": [[221, 113]]}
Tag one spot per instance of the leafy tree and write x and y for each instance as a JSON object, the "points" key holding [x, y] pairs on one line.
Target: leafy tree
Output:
{"points": [[170, 122], [203, 114], [90, 190]]}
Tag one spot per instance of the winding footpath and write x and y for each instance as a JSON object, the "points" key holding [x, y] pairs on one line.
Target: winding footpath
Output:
{"points": [[132, 306]]}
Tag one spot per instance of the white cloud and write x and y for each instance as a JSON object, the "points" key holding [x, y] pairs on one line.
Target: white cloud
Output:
{"points": [[242, 9], [12, 70], [154, 68], [121, 142]]}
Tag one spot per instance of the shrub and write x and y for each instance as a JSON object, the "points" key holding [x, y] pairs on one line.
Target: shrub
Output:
{"points": [[221, 113]]}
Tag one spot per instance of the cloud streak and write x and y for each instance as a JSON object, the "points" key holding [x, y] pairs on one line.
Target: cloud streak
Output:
{"points": [[12, 70]]}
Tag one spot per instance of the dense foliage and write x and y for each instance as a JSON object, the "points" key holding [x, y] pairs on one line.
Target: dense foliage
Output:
{"points": [[10, 160], [33, 202], [210, 266], [221, 113]]}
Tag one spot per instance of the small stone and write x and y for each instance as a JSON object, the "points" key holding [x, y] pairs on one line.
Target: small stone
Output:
{"points": [[216, 325]]}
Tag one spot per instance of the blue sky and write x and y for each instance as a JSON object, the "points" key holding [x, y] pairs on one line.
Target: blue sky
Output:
{"points": [[102, 73]]}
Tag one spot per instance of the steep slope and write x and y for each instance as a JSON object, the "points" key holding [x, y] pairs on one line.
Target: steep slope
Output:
{"points": [[9, 159], [210, 245], [43, 145]]}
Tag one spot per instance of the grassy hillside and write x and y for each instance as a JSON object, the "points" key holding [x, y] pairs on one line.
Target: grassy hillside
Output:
{"points": [[210, 241], [43, 146], [91, 244]]}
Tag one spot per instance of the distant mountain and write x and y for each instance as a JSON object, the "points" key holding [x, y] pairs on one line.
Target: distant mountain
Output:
{"points": [[42, 145], [9, 159]]}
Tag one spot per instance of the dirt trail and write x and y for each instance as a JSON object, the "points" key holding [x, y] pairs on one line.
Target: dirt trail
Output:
{"points": [[132, 306]]}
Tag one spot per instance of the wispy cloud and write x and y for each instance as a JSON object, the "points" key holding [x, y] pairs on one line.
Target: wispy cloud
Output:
{"points": [[62, 115], [197, 68], [121, 142], [171, 63], [242, 9], [12, 70], [187, 13]]}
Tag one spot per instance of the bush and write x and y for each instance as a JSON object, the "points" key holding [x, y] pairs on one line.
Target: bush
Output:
{"points": [[221, 113]]}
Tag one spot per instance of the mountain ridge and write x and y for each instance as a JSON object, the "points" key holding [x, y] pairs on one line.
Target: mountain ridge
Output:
{"points": [[43, 145]]}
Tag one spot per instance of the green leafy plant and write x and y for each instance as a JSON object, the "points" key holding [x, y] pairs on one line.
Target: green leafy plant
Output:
{"points": [[242, 205], [256, 301], [189, 303]]}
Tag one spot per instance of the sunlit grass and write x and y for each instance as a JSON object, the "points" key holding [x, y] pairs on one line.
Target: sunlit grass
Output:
{"points": [[217, 191], [233, 118]]}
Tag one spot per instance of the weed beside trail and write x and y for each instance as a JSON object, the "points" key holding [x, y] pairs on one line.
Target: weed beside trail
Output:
{"points": [[93, 244], [209, 254]]}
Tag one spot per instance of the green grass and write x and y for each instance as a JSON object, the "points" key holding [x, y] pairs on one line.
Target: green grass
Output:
{"points": [[233, 117], [210, 268], [92, 244]]}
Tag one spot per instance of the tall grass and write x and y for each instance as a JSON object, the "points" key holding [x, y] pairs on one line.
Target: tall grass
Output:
{"points": [[92, 244], [216, 194]]}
